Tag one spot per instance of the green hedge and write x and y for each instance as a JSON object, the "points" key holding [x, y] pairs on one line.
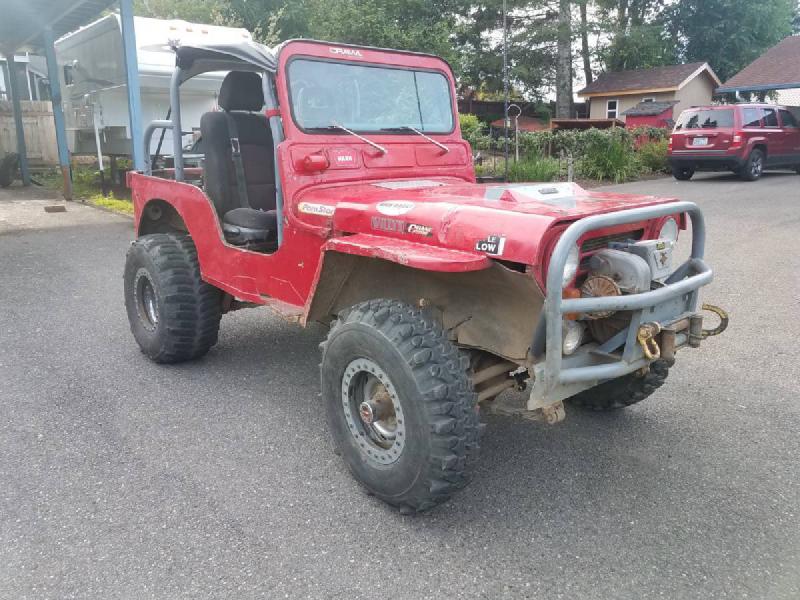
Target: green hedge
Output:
{"points": [[616, 154]]}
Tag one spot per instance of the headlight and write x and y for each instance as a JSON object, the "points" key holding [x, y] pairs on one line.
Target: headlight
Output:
{"points": [[572, 336], [669, 230], [571, 266]]}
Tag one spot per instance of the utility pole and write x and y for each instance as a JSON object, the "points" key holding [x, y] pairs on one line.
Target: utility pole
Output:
{"points": [[505, 88]]}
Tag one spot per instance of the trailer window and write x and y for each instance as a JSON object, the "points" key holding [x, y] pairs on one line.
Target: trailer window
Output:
{"points": [[368, 98]]}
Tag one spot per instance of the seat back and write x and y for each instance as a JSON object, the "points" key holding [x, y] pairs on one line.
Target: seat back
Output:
{"points": [[240, 96]]}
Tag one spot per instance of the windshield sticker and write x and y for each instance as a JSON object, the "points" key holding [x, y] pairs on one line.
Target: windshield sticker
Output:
{"points": [[417, 229], [492, 245], [394, 208], [408, 185], [321, 210], [387, 224]]}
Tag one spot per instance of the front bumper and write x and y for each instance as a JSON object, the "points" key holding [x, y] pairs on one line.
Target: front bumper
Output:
{"points": [[673, 306], [704, 161]]}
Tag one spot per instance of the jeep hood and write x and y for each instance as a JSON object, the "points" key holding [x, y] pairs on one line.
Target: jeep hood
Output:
{"points": [[507, 221]]}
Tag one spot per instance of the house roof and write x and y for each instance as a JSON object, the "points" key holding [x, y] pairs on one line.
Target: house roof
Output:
{"points": [[778, 68], [649, 109], [658, 79]]}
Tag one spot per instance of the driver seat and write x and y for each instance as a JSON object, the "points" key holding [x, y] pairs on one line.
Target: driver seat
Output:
{"points": [[249, 218]]}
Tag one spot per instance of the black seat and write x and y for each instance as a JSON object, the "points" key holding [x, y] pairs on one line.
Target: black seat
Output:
{"points": [[240, 96]]}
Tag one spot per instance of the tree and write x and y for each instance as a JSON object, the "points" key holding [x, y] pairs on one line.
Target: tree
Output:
{"points": [[564, 65], [638, 32], [586, 55], [729, 34], [195, 11]]}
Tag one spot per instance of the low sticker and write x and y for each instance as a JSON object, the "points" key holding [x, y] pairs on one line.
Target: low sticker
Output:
{"points": [[321, 210], [417, 229], [394, 208], [493, 245]]}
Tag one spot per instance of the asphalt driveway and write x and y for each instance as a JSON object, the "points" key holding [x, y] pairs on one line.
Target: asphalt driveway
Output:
{"points": [[123, 479]]}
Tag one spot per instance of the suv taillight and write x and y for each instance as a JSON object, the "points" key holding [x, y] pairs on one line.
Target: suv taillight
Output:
{"points": [[736, 142], [669, 144]]}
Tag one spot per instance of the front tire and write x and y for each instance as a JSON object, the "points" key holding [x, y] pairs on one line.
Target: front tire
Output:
{"points": [[683, 173], [400, 405], [623, 391], [174, 315], [753, 168]]}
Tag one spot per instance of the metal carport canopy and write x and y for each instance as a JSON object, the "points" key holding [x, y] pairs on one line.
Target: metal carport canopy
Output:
{"points": [[24, 21], [35, 24]]}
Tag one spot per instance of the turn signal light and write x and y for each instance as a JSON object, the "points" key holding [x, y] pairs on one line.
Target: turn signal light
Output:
{"points": [[737, 141], [312, 163], [567, 294]]}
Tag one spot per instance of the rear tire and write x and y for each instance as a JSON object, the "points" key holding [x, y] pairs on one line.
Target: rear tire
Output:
{"points": [[174, 315], [416, 442], [753, 168], [623, 391], [683, 173]]}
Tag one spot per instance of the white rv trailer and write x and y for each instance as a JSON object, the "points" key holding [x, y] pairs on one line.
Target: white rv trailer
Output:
{"points": [[92, 70]]}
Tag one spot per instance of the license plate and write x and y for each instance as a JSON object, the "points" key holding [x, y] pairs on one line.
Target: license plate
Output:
{"points": [[700, 141]]}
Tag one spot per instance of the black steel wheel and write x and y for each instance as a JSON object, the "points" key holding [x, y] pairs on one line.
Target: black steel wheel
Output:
{"points": [[683, 173], [174, 315], [754, 167], [623, 391], [400, 405]]}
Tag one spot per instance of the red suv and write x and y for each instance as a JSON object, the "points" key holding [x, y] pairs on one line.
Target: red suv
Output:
{"points": [[743, 138]]}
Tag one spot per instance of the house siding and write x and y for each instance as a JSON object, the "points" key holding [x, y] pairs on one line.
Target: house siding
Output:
{"points": [[698, 92], [597, 106]]}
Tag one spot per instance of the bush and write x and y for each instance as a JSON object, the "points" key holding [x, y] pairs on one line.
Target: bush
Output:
{"points": [[609, 158], [537, 169], [653, 156]]}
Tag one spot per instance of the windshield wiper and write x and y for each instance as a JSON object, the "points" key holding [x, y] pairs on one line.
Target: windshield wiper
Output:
{"points": [[377, 147], [441, 146]]}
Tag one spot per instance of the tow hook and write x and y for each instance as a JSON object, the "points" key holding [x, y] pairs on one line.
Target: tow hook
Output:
{"points": [[723, 320], [646, 336]]}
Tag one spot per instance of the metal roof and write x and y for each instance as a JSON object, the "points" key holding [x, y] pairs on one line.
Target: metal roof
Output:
{"points": [[24, 20]]}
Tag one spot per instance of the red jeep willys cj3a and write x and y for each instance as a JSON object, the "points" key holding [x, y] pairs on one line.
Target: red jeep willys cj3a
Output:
{"points": [[336, 188]]}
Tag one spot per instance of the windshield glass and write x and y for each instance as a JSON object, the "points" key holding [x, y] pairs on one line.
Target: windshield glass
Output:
{"points": [[368, 99], [705, 119]]}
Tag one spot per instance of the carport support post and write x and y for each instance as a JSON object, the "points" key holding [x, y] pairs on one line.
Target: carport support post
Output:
{"points": [[58, 111], [17, 108], [132, 77]]}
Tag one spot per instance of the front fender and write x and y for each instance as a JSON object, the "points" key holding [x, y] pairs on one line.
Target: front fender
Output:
{"points": [[409, 254]]}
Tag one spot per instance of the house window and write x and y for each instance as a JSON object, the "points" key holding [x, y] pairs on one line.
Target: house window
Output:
{"points": [[611, 109], [649, 99]]}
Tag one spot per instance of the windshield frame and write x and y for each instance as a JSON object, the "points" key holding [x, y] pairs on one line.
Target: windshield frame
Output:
{"points": [[369, 132]]}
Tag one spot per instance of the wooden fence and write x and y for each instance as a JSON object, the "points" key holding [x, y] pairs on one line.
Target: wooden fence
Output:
{"points": [[40, 131]]}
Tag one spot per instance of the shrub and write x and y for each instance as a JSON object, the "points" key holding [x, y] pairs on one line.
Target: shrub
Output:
{"points": [[471, 127], [536, 169], [653, 156], [611, 158]]}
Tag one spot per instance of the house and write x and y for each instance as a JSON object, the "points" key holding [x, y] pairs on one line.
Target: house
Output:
{"points": [[777, 70], [651, 114], [612, 94]]}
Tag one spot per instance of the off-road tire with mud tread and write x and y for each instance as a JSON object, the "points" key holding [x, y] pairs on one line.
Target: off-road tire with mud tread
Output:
{"points": [[435, 392], [623, 391], [188, 308]]}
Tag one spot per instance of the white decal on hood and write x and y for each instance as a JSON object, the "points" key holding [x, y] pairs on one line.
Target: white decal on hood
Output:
{"points": [[394, 208], [322, 210], [493, 245]]}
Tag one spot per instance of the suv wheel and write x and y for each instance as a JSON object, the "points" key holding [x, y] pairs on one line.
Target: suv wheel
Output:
{"points": [[400, 405], [753, 167], [682, 173], [174, 315]]}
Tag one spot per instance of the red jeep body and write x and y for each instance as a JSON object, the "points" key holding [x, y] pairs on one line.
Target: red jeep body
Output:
{"points": [[440, 292], [744, 138]]}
